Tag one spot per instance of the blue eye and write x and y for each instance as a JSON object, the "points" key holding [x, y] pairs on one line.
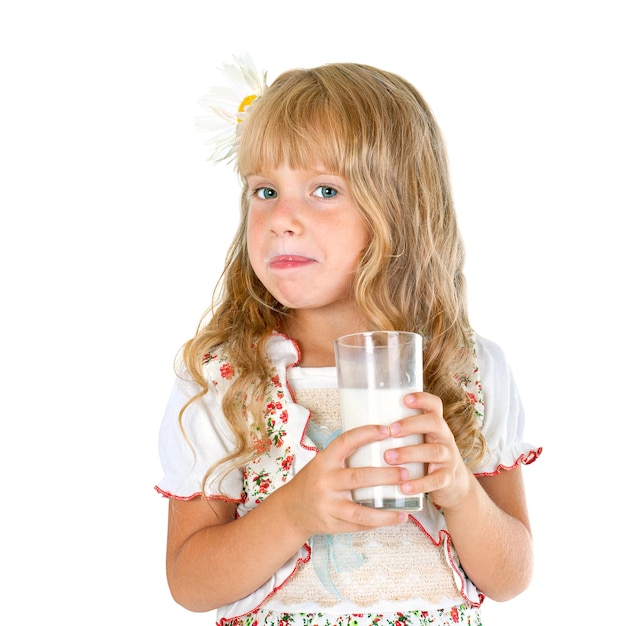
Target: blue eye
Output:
{"points": [[324, 191], [266, 193]]}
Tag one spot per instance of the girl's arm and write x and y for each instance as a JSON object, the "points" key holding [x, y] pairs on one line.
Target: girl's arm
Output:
{"points": [[491, 533], [506, 489], [487, 517], [214, 558]]}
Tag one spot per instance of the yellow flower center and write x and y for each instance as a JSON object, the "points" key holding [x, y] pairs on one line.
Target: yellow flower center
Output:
{"points": [[248, 100]]}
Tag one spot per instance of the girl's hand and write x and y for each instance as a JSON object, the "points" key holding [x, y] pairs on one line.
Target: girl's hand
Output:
{"points": [[447, 480], [319, 497]]}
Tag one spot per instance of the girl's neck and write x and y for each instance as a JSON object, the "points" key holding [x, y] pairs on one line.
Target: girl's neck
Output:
{"points": [[315, 336]]}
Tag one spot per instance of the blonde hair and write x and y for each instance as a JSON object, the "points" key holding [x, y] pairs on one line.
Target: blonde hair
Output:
{"points": [[374, 129]]}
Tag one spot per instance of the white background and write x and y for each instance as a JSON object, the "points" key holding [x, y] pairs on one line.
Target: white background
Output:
{"points": [[114, 228]]}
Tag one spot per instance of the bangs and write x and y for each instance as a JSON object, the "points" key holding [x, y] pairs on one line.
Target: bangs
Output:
{"points": [[296, 122]]}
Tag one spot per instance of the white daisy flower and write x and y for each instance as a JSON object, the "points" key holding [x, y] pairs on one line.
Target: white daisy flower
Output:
{"points": [[228, 106]]}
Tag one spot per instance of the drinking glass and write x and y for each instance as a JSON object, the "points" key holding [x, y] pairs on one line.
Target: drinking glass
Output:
{"points": [[375, 370]]}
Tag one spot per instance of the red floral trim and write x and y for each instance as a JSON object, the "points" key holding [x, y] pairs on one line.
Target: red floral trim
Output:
{"points": [[291, 393], [198, 494], [522, 459], [295, 345]]}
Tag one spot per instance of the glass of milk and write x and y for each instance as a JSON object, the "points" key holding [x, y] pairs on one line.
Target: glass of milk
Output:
{"points": [[375, 370]]}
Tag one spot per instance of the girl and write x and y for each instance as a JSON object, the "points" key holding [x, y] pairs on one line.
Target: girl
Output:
{"points": [[347, 225]]}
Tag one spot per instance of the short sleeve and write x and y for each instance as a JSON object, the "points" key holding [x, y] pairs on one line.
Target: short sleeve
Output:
{"points": [[189, 447], [503, 426]]}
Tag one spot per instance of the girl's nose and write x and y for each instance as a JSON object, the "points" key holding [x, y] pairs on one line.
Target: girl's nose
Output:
{"points": [[285, 221]]}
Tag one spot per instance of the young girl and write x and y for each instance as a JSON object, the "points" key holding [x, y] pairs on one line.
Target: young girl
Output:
{"points": [[347, 225]]}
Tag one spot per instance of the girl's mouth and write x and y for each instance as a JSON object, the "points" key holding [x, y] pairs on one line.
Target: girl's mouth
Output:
{"points": [[288, 261]]}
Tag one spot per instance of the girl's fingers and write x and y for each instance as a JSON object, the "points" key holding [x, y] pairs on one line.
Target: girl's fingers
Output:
{"points": [[423, 401], [347, 443], [354, 478], [348, 478], [422, 453], [427, 419], [364, 517]]}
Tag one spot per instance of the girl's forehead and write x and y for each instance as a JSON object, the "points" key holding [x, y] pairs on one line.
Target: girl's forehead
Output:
{"points": [[313, 162], [315, 167]]}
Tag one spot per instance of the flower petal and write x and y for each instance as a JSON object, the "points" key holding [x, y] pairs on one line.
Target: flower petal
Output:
{"points": [[227, 106]]}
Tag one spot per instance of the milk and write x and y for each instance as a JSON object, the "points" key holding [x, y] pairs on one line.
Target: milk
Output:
{"points": [[380, 406]]}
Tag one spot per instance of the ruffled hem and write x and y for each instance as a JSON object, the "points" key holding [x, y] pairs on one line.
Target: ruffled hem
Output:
{"points": [[525, 458], [198, 494]]}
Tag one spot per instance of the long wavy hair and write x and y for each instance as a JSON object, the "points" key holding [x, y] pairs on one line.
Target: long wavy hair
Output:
{"points": [[374, 129]]}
